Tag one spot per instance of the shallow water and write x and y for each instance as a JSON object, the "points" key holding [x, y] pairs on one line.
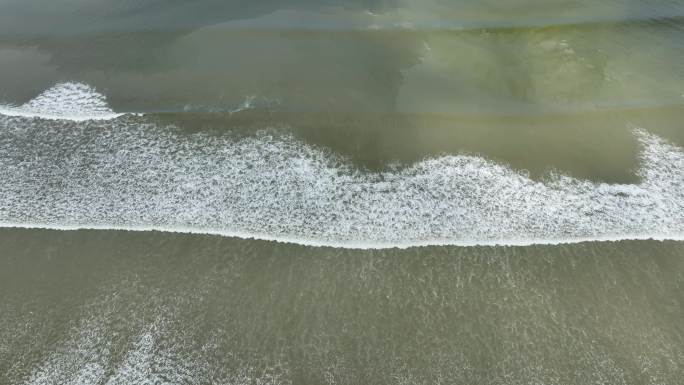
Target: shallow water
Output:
{"points": [[121, 308], [398, 192]]}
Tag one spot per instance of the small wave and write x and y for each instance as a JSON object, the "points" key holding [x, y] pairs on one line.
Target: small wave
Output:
{"points": [[132, 174], [65, 101], [250, 102]]}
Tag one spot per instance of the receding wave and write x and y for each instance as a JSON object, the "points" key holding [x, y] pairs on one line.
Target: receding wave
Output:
{"points": [[134, 174]]}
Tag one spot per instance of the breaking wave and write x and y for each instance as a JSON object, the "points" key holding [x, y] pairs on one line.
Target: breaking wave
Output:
{"points": [[133, 174], [65, 101]]}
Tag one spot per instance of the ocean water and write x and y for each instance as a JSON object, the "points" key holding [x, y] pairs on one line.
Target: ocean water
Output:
{"points": [[342, 192]]}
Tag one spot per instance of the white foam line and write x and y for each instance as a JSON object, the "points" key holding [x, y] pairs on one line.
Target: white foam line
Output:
{"points": [[17, 112], [352, 245]]}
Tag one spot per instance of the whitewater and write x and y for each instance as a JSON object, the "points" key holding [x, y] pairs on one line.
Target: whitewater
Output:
{"points": [[68, 161]]}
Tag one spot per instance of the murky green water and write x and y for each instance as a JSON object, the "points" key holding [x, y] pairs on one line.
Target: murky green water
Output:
{"points": [[125, 308], [463, 192]]}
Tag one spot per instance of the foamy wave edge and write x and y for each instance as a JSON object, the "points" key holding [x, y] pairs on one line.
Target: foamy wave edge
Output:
{"points": [[139, 176], [77, 102], [17, 112], [351, 245]]}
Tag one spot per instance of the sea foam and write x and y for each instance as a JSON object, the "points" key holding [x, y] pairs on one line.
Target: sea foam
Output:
{"points": [[133, 174], [65, 101]]}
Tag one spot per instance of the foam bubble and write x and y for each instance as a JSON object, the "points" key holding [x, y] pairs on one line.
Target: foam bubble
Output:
{"points": [[134, 175], [66, 101]]}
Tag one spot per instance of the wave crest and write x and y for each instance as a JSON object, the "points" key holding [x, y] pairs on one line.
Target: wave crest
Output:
{"points": [[65, 101]]}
